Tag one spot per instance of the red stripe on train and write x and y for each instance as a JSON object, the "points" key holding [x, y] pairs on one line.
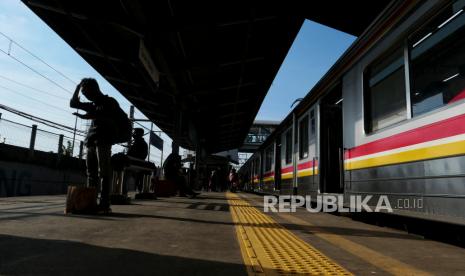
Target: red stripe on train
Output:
{"points": [[302, 166], [268, 174], [306, 165], [287, 169], [442, 129]]}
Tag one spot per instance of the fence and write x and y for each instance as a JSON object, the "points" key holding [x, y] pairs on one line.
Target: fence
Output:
{"points": [[21, 135]]}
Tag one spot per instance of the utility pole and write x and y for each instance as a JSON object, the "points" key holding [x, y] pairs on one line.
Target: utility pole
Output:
{"points": [[33, 140], [161, 159], [131, 118], [74, 132], [150, 134]]}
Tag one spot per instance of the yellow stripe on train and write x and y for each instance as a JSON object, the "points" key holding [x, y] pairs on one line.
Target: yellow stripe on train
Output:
{"points": [[287, 176], [304, 173], [267, 179], [449, 149]]}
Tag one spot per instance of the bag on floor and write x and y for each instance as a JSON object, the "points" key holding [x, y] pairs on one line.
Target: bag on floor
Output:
{"points": [[81, 200]]}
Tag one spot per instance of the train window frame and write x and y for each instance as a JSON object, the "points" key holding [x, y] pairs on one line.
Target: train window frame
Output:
{"points": [[398, 46], [312, 125], [306, 117], [458, 13], [287, 142], [256, 167], [268, 164]]}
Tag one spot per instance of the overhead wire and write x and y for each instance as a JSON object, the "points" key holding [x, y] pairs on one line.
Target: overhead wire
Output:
{"points": [[35, 71], [41, 60], [42, 121], [26, 126], [31, 98], [12, 41], [33, 88], [38, 58]]}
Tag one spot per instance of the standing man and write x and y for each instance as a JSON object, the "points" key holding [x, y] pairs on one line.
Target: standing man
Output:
{"points": [[138, 149], [103, 112]]}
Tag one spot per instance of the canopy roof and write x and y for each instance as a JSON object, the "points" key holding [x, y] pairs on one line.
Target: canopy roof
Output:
{"points": [[198, 69]]}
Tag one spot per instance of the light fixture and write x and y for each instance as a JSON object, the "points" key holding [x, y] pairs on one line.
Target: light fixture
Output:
{"points": [[421, 40], [450, 18], [451, 77]]}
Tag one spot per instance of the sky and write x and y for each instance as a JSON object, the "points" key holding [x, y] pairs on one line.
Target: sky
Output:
{"points": [[314, 51]]}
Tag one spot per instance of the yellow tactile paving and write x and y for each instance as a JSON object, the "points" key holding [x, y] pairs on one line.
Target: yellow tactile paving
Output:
{"points": [[382, 261], [270, 249]]}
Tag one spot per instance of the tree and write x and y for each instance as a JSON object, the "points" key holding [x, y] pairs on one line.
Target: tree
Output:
{"points": [[68, 150]]}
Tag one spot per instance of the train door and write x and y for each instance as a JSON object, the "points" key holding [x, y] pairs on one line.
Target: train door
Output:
{"points": [[287, 166], [306, 152], [269, 169], [277, 164], [331, 142], [255, 171]]}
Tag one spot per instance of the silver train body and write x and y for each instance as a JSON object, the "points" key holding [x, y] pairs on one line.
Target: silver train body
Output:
{"points": [[387, 119]]}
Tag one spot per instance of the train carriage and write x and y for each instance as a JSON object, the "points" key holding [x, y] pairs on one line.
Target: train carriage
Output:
{"points": [[387, 119]]}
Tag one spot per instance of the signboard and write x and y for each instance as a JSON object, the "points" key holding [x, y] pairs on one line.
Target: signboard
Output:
{"points": [[146, 59], [156, 141]]}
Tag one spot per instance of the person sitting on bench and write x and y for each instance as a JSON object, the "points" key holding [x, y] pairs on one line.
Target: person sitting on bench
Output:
{"points": [[172, 171]]}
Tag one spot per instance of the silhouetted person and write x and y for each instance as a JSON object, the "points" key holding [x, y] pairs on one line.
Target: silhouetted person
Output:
{"points": [[214, 180], [172, 171], [233, 180], [101, 111], [138, 149]]}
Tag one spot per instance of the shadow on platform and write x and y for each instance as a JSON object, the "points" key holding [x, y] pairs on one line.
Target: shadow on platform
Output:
{"points": [[27, 256], [307, 229]]}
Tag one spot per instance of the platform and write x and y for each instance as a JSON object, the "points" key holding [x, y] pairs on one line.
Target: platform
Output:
{"points": [[214, 234]]}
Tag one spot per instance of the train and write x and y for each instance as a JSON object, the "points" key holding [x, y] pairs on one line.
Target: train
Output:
{"points": [[387, 119]]}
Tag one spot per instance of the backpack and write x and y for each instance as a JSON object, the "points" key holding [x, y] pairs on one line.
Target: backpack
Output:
{"points": [[114, 125], [123, 131]]}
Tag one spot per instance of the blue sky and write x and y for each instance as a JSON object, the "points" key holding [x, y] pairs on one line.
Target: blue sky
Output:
{"points": [[315, 49]]}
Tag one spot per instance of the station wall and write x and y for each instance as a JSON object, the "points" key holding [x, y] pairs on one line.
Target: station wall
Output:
{"points": [[23, 174]]}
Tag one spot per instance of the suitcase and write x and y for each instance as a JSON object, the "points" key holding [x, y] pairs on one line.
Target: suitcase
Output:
{"points": [[164, 188], [81, 200]]}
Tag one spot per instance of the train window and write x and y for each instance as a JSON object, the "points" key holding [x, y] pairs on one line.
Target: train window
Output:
{"points": [[257, 167], [437, 61], [312, 124], [268, 158], [385, 99], [303, 138], [288, 149]]}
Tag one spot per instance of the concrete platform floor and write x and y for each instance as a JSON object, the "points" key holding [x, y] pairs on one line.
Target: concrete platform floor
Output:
{"points": [[180, 236], [168, 236]]}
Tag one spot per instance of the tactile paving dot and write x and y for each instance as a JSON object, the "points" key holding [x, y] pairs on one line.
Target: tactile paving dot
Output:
{"points": [[279, 251]]}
